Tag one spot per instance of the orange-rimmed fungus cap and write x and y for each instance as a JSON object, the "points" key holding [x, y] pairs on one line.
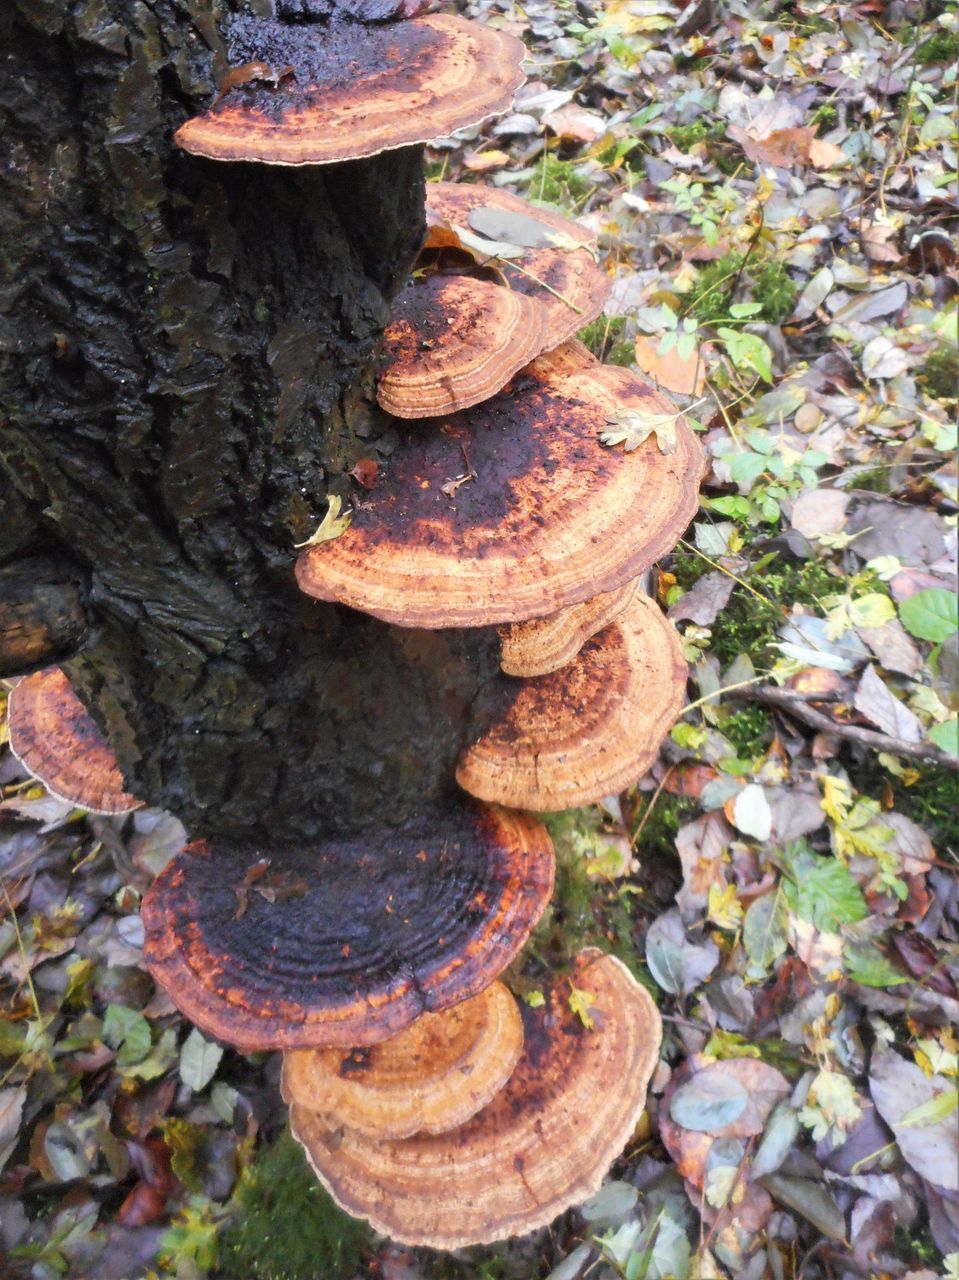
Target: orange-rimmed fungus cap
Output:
{"points": [[542, 645], [340, 91], [346, 941], [513, 509], [588, 730], [430, 1078], [544, 1143], [57, 740], [565, 280], [454, 341]]}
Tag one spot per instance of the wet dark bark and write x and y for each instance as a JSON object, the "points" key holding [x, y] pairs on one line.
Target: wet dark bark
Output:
{"points": [[185, 374]]}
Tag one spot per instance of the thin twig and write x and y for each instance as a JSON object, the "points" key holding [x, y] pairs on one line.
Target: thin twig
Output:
{"points": [[795, 704]]}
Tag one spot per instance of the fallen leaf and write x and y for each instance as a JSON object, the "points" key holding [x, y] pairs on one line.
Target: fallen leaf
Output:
{"points": [[685, 377], [575, 123], [11, 1113], [365, 473], [677, 964], [900, 1088], [705, 600], [825, 155], [874, 701], [633, 426], [331, 526], [750, 813], [782, 148], [818, 511], [485, 161], [509, 227]]}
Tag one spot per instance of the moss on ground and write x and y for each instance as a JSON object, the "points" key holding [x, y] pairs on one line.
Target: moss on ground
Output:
{"points": [[586, 910], [768, 281], [287, 1227], [941, 47], [941, 372], [747, 625], [557, 182]]}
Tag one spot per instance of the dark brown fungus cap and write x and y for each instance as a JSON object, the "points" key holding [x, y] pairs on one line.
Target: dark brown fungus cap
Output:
{"points": [[454, 341], [513, 509], [55, 738], [430, 1078], [567, 280], [543, 1144], [542, 645], [361, 936], [589, 729], [342, 91]]}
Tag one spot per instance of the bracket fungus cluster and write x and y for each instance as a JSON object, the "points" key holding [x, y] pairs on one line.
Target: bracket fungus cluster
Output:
{"points": [[56, 740], [426, 1101], [543, 1142]]}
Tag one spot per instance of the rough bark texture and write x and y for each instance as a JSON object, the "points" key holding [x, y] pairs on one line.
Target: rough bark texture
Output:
{"points": [[185, 374]]}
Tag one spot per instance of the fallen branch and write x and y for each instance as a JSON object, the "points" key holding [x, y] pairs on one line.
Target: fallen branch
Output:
{"points": [[796, 704]]}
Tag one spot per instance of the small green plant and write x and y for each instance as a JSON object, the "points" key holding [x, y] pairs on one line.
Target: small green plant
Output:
{"points": [[558, 182], [604, 338]]}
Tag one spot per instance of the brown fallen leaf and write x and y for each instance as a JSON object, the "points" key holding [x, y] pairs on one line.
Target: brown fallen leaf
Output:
{"points": [[485, 161], [242, 890], [685, 377], [782, 148], [574, 123], [365, 473]]}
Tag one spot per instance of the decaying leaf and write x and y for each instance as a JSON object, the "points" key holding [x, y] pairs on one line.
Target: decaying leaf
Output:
{"points": [[632, 427], [331, 526]]}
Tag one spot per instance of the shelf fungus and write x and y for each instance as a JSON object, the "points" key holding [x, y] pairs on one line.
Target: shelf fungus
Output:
{"points": [[542, 645], [543, 1144], [513, 509], [346, 942], [557, 266], [56, 740], [323, 93], [588, 730], [432, 1077], [454, 341]]}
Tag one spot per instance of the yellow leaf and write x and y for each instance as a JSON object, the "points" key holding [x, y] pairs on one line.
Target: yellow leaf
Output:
{"points": [[836, 797], [579, 1003], [723, 907], [872, 610], [331, 526]]}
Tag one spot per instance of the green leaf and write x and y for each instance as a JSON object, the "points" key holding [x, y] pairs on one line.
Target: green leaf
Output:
{"points": [[932, 614], [946, 736], [826, 895], [764, 933], [746, 468], [748, 351], [868, 966], [740, 310], [128, 1032], [199, 1059]]}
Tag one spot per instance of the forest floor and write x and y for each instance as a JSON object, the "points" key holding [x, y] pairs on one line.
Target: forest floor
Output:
{"points": [[774, 188]]}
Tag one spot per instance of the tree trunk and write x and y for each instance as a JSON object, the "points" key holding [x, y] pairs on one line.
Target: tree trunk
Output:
{"points": [[185, 364]]}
